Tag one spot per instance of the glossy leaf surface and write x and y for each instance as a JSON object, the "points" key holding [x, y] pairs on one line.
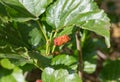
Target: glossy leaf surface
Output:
{"points": [[61, 75], [35, 7], [83, 13], [15, 11]]}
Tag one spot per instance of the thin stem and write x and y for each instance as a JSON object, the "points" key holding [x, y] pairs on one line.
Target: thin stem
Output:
{"points": [[83, 38], [80, 64], [49, 42], [35, 63], [41, 28], [53, 49], [51, 34], [38, 67], [55, 34], [46, 38], [47, 47]]}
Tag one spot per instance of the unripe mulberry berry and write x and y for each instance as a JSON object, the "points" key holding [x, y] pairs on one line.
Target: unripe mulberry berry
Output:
{"points": [[38, 80], [61, 40]]}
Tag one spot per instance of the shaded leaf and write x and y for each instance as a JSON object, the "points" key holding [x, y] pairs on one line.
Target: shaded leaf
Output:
{"points": [[21, 34], [90, 54], [17, 57], [40, 60], [66, 60], [11, 36], [3, 14], [111, 71], [30, 33]]}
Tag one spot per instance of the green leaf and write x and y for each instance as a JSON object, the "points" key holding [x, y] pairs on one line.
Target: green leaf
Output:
{"points": [[40, 60], [11, 2], [3, 14], [7, 64], [61, 75], [25, 34], [89, 51], [83, 13], [18, 75], [110, 71], [9, 78], [35, 37], [35, 7], [30, 33], [66, 60], [89, 67], [17, 57], [67, 31], [13, 35], [15, 11], [12, 76]]}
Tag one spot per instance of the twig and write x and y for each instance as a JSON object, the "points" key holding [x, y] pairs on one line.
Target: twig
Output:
{"points": [[80, 64], [101, 57], [53, 49]]}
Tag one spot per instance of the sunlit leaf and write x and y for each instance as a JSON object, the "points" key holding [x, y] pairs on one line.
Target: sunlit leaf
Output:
{"points": [[15, 11], [61, 75], [12, 76], [89, 67], [83, 13], [18, 75], [7, 64], [35, 37], [35, 7]]}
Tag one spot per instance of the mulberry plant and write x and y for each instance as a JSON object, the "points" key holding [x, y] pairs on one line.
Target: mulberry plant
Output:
{"points": [[31, 31]]}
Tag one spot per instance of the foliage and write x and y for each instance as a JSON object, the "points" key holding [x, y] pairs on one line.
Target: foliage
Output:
{"points": [[28, 29], [52, 75]]}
